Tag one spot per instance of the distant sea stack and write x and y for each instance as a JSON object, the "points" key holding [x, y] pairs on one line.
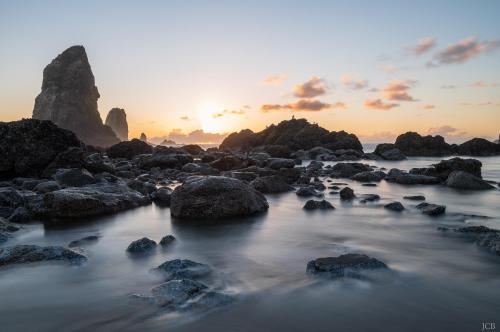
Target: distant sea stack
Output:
{"points": [[143, 137], [117, 120], [69, 98]]}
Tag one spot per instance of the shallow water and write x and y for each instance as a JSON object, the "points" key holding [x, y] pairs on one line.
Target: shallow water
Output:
{"points": [[439, 282]]}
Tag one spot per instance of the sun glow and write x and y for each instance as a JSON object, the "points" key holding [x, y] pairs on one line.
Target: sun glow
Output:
{"points": [[210, 123]]}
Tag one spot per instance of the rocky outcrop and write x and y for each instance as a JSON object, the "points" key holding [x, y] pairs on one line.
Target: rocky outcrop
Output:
{"points": [[444, 168], [117, 120], [389, 152], [465, 180], [20, 254], [129, 149], [215, 197], [479, 147], [28, 146], [143, 137], [295, 134], [413, 144], [69, 98]]}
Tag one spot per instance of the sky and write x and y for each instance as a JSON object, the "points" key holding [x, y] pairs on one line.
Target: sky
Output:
{"points": [[373, 68]]}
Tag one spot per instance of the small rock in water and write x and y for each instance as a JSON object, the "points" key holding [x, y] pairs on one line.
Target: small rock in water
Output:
{"points": [[19, 254], [176, 292], [182, 269], [318, 205], [394, 206], [84, 241], [431, 209], [347, 194], [415, 198], [166, 240], [369, 184], [308, 192], [348, 265], [369, 198], [141, 246]]}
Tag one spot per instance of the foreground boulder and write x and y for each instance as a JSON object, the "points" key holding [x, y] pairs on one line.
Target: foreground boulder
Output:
{"points": [[69, 98], [117, 120], [28, 146], [31, 253], [129, 149], [465, 180], [348, 265], [215, 197]]}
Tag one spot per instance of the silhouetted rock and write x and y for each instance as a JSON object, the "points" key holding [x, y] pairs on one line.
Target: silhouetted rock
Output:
{"points": [[348, 265], [69, 98], [227, 163], [465, 180], [215, 197], [117, 120], [347, 194], [412, 144], [193, 149], [143, 137], [389, 152], [129, 149], [296, 134], [28, 146], [444, 168], [394, 206], [479, 147], [275, 151], [21, 254]]}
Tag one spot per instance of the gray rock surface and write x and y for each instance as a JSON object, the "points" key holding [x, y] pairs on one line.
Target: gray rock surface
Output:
{"points": [[318, 205], [141, 246], [21, 254], [465, 180], [182, 269]]}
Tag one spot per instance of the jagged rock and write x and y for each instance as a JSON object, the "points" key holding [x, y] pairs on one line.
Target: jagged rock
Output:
{"points": [[347, 194], [389, 152], [21, 254], [318, 205], [215, 197], [394, 206], [28, 146], [271, 184], [74, 177], [412, 144], [69, 98], [344, 266], [129, 149], [296, 134], [464, 180], [347, 170], [431, 209], [141, 246], [370, 176], [162, 196], [182, 269], [479, 147], [84, 241], [167, 240], [117, 120], [174, 293]]}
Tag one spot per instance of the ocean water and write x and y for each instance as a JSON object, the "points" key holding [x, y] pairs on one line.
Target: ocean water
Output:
{"points": [[438, 281]]}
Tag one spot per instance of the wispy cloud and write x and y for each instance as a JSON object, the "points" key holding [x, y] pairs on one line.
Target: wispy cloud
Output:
{"points": [[447, 131], [449, 87], [273, 80], [482, 84], [302, 105], [314, 87], [399, 90], [353, 83], [378, 104], [427, 107], [225, 112], [424, 45], [185, 118], [462, 51], [379, 137]]}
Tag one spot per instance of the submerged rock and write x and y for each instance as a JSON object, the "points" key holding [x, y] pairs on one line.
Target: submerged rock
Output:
{"points": [[167, 240], [394, 206], [318, 205], [465, 180], [20, 254], [182, 269], [431, 209], [348, 265], [215, 197], [176, 292], [141, 246], [84, 241]]}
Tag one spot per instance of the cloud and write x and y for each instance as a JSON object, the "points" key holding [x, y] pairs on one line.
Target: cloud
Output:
{"points": [[423, 45], [185, 118], [378, 137], [314, 87], [196, 136], [229, 112], [462, 51], [446, 131], [482, 84], [373, 90], [427, 107], [398, 90], [302, 105], [353, 82], [389, 68], [273, 80], [377, 104], [448, 87]]}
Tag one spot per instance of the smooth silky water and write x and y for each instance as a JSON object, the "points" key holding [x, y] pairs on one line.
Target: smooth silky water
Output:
{"points": [[439, 282]]}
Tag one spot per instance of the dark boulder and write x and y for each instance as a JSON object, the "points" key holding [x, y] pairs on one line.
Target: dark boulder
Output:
{"points": [[479, 147], [271, 185], [129, 149], [344, 266], [277, 163], [74, 177], [21, 254], [412, 144], [318, 205], [397, 176], [415, 198], [394, 206], [347, 170], [182, 269], [347, 194], [167, 240], [227, 163], [141, 246], [193, 149], [431, 209], [162, 196], [389, 152], [175, 293], [308, 191], [369, 176], [465, 180]]}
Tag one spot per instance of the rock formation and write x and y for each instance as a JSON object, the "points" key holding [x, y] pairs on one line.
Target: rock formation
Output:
{"points": [[295, 134], [69, 98], [117, 120], [413, 144], [143, 137]]}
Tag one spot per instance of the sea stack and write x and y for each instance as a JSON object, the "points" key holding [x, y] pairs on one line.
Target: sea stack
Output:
{"points": [[117, 120], [143, 137], [69, 98]]}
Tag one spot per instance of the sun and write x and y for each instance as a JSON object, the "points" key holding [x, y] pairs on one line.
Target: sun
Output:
{"points": [[207, 115]]}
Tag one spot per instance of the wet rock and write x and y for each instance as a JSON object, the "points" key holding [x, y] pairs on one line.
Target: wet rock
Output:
{"points": [[347, 194], [69, 98], [162, 196], [370, 176], [271, 185], [431, 209], [141, 246], [464, 180], [7, 226], [199, 169], [344, 266], [174, 293], [308, 191], [369, 198], [479, 147], [318, 205], [415, 198], [74, 177], [10, 197], [215, 197], [167, 240], [277, 163], [21, 254], [145, 188], [129, 149], [347, 170], [227, 163], [117, 121], [182, 269], [398, 176], [28, 146], [389, 152], [20, 215], [394, 206], [91, 239]]}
